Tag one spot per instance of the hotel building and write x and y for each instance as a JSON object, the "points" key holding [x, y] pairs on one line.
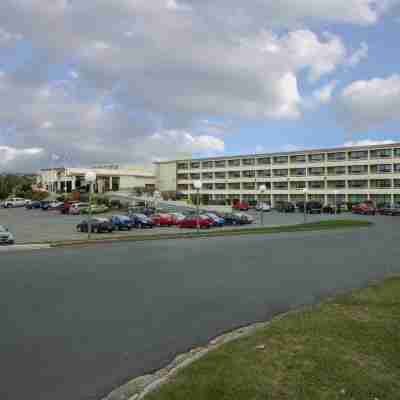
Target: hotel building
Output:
{"points": [[349, 174]]}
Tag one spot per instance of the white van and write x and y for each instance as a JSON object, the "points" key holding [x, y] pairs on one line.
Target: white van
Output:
{"points": [[14, 202]]}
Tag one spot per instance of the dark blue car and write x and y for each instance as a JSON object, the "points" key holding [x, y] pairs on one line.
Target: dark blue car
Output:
{"points": [[33, 205], [141, 221], [121, 222]]}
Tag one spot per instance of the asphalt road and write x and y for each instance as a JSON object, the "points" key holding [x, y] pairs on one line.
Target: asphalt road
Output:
{"points": [[78, 322]]}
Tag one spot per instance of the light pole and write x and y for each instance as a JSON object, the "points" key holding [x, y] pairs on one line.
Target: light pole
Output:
{"points": [[305, 190], [90, 178], [262, 189], [335, 194], [197, 186]]}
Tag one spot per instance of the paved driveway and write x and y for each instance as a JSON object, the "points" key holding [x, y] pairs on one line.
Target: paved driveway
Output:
{"points": [[78, 322]]}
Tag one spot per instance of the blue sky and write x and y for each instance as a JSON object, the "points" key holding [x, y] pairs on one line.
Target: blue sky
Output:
{"points": [[137, 81]]}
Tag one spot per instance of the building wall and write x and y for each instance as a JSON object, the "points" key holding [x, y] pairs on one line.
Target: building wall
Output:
{"points": [[166, 176], [342, 174]]}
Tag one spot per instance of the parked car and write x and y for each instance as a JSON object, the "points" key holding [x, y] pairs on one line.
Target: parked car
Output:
{"points": [[95, 209], [312, 207], [241, 206], [121, 222], [392, 209], [141, 221], [365, 208], [51, 205], [331, 209], [162, 219], [141, 210], [237, 219], [33, 205], [97, 225], [265, 207], [382, 207], [216, 220], [285, 207], [12, 202], [64, 209], [6, 237], [203, 221], [176, 217], [76, 208]]}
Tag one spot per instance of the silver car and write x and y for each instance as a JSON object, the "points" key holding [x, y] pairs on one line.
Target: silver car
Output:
{"points": [[6, 237]]}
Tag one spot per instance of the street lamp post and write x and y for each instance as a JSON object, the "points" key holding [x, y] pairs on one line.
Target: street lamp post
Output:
{"points": [[305, 190], [262, 189], [197, 186], [90, 178]]}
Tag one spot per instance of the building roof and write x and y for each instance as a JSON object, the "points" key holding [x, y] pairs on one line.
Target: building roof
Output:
{"points": [[288, 153], [103, 172]]}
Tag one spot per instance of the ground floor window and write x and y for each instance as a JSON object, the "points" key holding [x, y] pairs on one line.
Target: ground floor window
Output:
{"points": [[340, 198], [317, 197], [115, 183], [381, 198], [357, 198], [280, 197]]}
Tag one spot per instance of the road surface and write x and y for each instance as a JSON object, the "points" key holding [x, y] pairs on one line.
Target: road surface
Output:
{"points": [[78, 322]]}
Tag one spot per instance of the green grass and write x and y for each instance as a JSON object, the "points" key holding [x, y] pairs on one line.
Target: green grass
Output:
{"points": [[314, 226], [346, 348]]}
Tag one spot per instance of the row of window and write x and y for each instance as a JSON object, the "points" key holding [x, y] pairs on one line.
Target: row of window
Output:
{"points": [[301, 158], [351, 184], [316, 171]]}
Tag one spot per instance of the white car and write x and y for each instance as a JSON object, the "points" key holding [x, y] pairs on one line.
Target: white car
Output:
{"points": [[14, 202], [263, 207], [6, 237]]}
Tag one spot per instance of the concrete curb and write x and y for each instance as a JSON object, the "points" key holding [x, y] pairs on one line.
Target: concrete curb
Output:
{"points": [[23, 247]]}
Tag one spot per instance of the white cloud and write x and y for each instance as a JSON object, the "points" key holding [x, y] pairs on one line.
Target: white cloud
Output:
{"points": [[367, 142], [367, 104], [358, 55], [6, 36], [9, 154]]}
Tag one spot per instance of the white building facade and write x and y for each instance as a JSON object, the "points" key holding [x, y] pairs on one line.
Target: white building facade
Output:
{"points": [[108, 178], [344, 174]]}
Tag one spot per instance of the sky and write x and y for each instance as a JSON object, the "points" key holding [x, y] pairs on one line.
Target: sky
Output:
{"points": [[134, 81]]}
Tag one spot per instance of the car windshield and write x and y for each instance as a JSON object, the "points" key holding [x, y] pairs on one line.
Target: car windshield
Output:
{"points": [[143, 216], [2, 229]]}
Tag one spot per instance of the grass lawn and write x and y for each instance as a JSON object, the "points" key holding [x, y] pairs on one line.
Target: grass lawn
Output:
{"points": [[345, 348]]}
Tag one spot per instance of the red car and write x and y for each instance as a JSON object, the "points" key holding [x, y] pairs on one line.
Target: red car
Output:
{"points": [[162, 220], [191, 222], [241, 206], [366, 208]]}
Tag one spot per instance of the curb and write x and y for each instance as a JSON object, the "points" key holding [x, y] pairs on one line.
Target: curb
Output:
{"points": [[24, 247]]}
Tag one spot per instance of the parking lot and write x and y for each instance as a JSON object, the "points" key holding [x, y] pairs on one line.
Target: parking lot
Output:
{"points": [[32, 226]]}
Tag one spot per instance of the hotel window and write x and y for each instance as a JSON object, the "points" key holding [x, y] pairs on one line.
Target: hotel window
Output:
{"points": [[381, 153], [207, 164], [195, 165], [396, 183], [336, 184], [358, 184], [248, 161], [316, 171], [337, 156], [248, 174], [220, 175], [234, 174], [281, 172], [396, 167], [298, 159], [381, 169], [266, 184], [249, 186], [297, 185], [316, 185], [280, 185], [220, 186], [337, 170], [183, 176], [207, 175], [358, 155], [298, 172], [234, 186], [183, 187], [381, 183], [194, 176], [358, 169], [234, 163], [220, 164], [183, 166], [316, 157], [264, 161], [281, 160], [264, 173], [396, 152], [207, 186]]}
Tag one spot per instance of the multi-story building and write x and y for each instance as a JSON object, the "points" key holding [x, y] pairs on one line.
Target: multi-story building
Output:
{"points": [[108, 178], [350, 174]]}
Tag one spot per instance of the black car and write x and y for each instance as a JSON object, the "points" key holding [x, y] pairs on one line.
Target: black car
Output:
{"points": [[33, 205], [312, 207], [393, 209], [331, 209], [285, 207], [141, 221], [237, 219], [97, 225]]}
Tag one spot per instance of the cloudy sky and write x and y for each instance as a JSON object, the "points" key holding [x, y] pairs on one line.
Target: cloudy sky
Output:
{"points": [[131, 81]]}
